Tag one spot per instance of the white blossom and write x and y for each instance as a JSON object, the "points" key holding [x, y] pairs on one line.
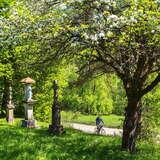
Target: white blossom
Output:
{"points": [[106, 1], [153, 31], [94, 37], [112, 18], [101, 34], [97, 3], [63, 6], [133, 20]]}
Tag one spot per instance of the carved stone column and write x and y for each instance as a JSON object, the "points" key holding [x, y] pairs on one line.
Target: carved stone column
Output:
{"points": [[10, 106], [56, 127]]}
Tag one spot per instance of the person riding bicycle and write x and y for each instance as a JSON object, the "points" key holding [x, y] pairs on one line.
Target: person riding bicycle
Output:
{"points": [[99, 123]]}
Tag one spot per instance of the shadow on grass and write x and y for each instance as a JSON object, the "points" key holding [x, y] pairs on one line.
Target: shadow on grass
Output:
{"points": [[18, 143]]}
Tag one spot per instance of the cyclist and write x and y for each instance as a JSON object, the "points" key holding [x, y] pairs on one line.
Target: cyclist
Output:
{"points": [[99, 123]]}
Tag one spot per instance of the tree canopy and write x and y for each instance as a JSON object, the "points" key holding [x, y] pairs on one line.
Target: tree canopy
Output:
{"points": [[110, 36]]}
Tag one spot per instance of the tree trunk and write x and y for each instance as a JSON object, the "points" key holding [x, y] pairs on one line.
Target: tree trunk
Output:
{"points": [[131, 125], [5, 97]]}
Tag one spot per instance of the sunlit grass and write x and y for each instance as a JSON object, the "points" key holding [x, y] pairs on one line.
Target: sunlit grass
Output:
{"points": [[17, 143], [114, 121]]}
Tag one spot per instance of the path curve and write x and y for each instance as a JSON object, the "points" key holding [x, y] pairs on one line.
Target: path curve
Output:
{"points": [[91, 129]]}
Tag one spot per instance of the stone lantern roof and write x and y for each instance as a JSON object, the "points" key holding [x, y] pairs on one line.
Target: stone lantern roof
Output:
{"points": [[28, 80]]}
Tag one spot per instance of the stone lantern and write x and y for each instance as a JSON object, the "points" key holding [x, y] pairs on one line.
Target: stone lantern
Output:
{"points": [[29, 120], [10, 107]]}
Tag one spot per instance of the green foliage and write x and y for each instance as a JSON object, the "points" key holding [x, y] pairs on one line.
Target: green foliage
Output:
{"points": [[44, 97], [5, 5], [150, 124], [150, 116], [118, 94], [152, 98], [6, 70], [92, 98]]}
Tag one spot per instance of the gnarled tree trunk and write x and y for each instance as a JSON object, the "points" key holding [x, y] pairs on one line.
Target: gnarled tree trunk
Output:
{"points": [[131, 125]]}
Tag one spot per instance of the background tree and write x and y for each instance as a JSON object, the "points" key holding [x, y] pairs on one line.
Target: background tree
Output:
{"points": [[93, 97], [14, 61]]}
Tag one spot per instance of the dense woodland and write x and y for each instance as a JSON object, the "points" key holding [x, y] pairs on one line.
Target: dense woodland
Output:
{"points": [[104, 54]]}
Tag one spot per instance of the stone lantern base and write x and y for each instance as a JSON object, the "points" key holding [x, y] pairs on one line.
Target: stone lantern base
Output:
{"points": [[29, 120], [56, 129], [29, 123]]}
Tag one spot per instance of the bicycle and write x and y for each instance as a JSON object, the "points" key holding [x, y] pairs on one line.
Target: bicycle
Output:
{"points": [[100, 130]]}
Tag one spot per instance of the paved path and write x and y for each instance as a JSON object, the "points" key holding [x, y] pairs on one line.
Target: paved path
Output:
{"points": [[91, 129]]}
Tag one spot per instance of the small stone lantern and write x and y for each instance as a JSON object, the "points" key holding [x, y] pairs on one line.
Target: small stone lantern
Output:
{"points": [[10, 107], [29, 120]]}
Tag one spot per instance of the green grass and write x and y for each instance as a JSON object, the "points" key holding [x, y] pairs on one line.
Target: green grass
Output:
{"points": [[18, 143], [114, 121]]}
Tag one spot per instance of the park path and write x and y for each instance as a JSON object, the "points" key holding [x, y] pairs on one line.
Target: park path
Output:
{"points": [[91, 129]]}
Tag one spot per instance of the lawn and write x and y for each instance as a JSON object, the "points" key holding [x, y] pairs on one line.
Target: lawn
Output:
{"points": [[113, 121], [18, 143]]}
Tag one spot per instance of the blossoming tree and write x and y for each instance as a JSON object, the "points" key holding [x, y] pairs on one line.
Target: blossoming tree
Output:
{"points": [[114, 36]]}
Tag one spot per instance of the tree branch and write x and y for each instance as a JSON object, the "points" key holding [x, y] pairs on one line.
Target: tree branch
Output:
{"points": [[151, 86]]}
